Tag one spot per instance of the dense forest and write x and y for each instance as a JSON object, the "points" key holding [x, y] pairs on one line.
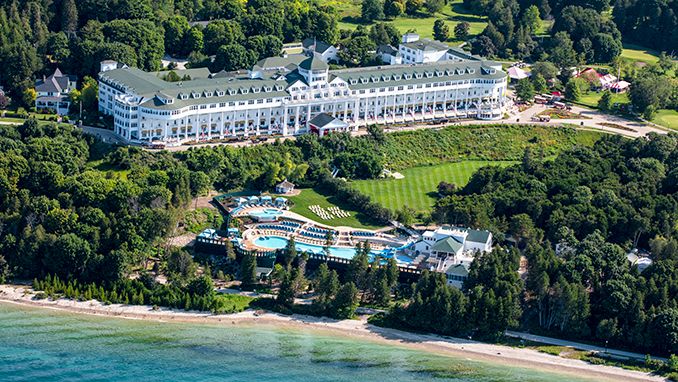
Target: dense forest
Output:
{"points": [[60, 214], [596, 203]]}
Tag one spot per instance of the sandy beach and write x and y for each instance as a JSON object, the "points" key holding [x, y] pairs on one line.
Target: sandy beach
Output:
{"points": [[359, 329]]}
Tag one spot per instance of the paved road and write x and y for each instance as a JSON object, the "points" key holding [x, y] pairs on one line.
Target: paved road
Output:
{"points": [[577, 345]]}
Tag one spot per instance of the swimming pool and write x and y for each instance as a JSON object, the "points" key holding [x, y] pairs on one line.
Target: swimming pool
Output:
{"points": [[275, 242], [265, 215]]}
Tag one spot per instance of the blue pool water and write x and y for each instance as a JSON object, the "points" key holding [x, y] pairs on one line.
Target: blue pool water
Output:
{"points": [[274, 242], [267, 214]]}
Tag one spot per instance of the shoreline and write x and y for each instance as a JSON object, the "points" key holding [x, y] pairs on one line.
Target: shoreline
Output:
{"points": [[361, 330]]}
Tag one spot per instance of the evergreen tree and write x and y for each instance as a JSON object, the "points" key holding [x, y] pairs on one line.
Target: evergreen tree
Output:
{"points": [[286, 292], [357, 268], [69, 17], [572, 92], [329, 240], [461, 30], [345, 302], [524, 89], [605, 100], [249, 270], [539, 83], [441, 32], [290, 253], [372, 10]]}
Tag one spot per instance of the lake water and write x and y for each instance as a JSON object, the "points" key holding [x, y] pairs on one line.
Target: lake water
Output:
{"points": [[44, 345]]}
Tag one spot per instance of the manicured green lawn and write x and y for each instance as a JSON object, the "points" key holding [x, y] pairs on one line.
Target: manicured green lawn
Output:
{"points": [[14, 120], [667, 118], [418, 189], [639, 53], [310, 197], [591, 98], [453, 13]]}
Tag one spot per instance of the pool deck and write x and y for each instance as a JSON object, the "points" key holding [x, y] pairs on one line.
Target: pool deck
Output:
{"points": [[344, 239]]}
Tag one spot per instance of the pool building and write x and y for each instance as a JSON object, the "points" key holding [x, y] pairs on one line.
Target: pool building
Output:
{"points": [[451, 250]]}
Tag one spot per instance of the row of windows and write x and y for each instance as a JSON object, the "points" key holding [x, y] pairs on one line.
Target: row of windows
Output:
{"points": [[220, 93]]}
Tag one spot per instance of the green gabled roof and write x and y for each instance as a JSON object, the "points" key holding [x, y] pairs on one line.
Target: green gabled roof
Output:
{"points": [[477, 236], [313, 63], [449, 245], [458, 269]]}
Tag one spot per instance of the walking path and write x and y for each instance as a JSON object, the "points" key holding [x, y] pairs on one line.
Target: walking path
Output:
{"points": [[577, 345]]}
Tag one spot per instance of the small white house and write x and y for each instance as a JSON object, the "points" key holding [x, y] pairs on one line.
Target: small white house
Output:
{"points": [[325, 52], [389, 55], [284, 187], [53, 91], [449, 246]]}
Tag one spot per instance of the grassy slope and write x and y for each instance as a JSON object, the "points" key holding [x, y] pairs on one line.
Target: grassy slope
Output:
{"points": [[591, 98], [639, 53], [453, 13], [485, 143], [310, 197], [418, 188], [667, 118]]}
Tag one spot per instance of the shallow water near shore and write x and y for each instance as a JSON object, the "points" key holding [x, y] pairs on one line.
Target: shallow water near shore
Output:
{"points": [[46, 345]]}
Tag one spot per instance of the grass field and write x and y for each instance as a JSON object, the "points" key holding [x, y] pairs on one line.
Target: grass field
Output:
{"points": [[667, 118], [453, 13], [418, 189], [639, 53], [591, 98], [310, 197], [104, 166], [13, 120]]}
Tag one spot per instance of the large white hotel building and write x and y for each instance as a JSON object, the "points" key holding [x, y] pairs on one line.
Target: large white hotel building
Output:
{"points": [[281, 95]]}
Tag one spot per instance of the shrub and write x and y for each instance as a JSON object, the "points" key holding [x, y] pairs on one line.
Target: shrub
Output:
{"points": [[41, 296], [65, 119]]}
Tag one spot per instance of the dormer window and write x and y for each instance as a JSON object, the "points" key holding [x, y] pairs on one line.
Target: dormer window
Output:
{"points": [[195, 95], [183, 96], [375, 79], [208, 94], [220, 93], [231, 92], [255, 90], [278, 87], [244, 91], [449, 72], [471, 71], [429, 74], [386, 78], [396, 77], [353, 82], [363, 80], [459, 71], [418, 75], [408, 76], [267, 89], [439, 73], [169, 101]]}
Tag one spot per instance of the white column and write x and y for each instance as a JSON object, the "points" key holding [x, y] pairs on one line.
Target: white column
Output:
{"points": [[247, 123], [222, 125]]}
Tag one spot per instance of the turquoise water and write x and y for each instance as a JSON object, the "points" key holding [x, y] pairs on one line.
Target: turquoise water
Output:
{"points": [[275, 242], [43, 345], [266, 213]]}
